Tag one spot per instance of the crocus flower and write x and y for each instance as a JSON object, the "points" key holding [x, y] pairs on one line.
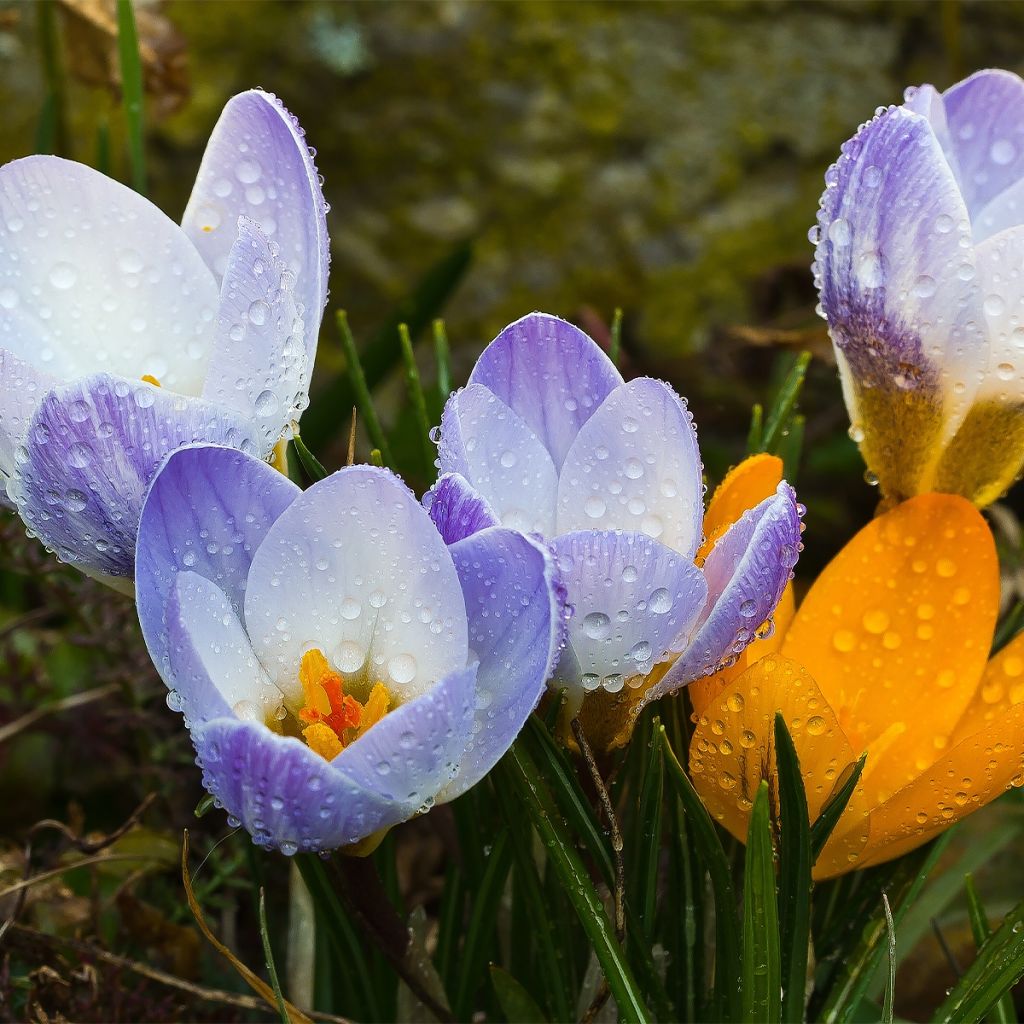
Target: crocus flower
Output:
{"points": [[338, 666], [547, 437], [920, 237], [887, 655], [123, 335]]}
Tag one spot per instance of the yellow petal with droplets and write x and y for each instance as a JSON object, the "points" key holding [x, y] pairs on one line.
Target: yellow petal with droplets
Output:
{"points": [[970, 775], [744, 486], [703, 691], [1001, 687], [897, 628], [733, 748], [322, 740]]}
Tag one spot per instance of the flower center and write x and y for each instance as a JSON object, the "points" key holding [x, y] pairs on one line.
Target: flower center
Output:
{"points": [[334, 718]]}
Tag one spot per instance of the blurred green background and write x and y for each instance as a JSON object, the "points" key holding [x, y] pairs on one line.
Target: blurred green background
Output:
{"points": [[481, 160]]}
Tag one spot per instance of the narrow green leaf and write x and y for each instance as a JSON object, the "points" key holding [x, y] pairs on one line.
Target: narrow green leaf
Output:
{"points": [[727, 944], [647, 828], [826, 822], [103, 147], [450, 926], [857, 967], [516, 1003], [1001, 1009], [762, 959], [790, 447], [131, 90], [794, 874], [349, 947], [442, 357], [615, 348], [552, 967], [382, 354], [51, 132], [890, 987], [519, 771], [1009, 626], [755, 434], [785, 401], [204, 806], [416, 396], [310, 463], [363, 398], [268, 958], [482, 925]]}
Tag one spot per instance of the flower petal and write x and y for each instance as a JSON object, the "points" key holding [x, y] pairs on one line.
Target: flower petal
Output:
{"points": [[515, 603], [972, 774], [1001, 687], [206, 512], [257, 165], [897, 628], [985, 113], [899, 289], [746, 571], [355, 567], [487, 443], [22, 388], [413, 752], [259, 364], [93, 276], [744, 486], [634, 602], [733, 747], [550, 374], [456, 509], [288, 797], [635, 465], [210, 668], [92, 449]]}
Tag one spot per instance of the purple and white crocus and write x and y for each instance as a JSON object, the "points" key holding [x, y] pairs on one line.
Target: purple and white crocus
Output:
{"points": [[919, 248], [547, 438], [124, 336], [340, 668]]}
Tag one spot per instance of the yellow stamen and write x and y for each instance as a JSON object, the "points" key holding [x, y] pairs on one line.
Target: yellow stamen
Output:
{"points": [[313, 673], [323, 740], [279, 457], [376, 707], [148, 378]]}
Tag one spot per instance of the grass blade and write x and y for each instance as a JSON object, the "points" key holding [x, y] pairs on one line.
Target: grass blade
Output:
{"points": [[419, 401], [268, 956], [762, 959], [519, 771], [826, 822], [794, 874], [755, 434], [311, 465], [363, 398], [131, 89], [985, 986], [442, 357], [785, 401], [890, 987], [727, 943], [647, 828], [516, 1003], [615, 347], [51, 132]]}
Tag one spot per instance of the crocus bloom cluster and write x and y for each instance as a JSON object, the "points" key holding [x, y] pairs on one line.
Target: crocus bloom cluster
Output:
{"points": [[548, 438], [887, 655], [920, 238], [339, 667], [124, 336]]}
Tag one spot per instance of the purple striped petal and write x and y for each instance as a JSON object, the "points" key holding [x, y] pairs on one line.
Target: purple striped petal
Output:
{"points": [[551, 374], [94, 276], [515, 604], [92, 449], [257, 165], [985, 114], [634, 603], [355, 567], [288, 797], [895, 267], [259, 365], [635, 466], [413, 752], [746, 572], [210, 670], [206, 512], [22, 388], [456, 509], [483, 440]]}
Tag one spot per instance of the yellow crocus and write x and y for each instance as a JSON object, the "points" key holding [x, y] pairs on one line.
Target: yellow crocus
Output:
{"points": [[887, 655]]}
